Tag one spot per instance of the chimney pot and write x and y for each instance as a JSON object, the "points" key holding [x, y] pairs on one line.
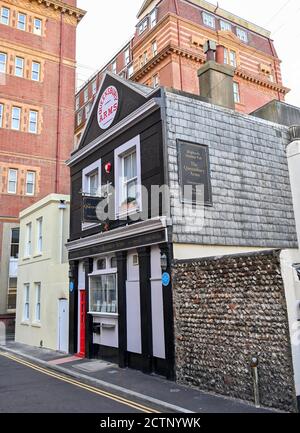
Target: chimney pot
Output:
{"points": [[220, 54]]}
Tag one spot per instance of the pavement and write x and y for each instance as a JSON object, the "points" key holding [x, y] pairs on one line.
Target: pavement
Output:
{"points": [[149, 389]]}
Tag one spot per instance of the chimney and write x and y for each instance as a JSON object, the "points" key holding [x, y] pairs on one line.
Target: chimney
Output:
{"points": [[293, 156], [216, 78]]}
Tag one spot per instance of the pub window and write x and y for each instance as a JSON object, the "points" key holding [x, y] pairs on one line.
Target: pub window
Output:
{"points": [[3, 59], [19, 67], [14, 244], [128, 176], [16, 118], [37, 26], [236, 93], [93, 182], [21, 23], [35, 71], [103, 294], [5, 12], [26, 302], [209, 20], [225, 25], [101, 264], [33, 121], [91, 179], [30, 182], [242, 34], [12, 181], [113, 262], [1, 115]]}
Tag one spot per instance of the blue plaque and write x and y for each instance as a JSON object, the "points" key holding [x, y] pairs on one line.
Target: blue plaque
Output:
{"points": [[71, 286], [166, 279]]}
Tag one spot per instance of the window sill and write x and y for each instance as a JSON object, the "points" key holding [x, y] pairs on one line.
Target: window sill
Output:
{"points": [[122, 214], [37, 255], [36, 324], [26, 258], [111, 315], [25, 323]]}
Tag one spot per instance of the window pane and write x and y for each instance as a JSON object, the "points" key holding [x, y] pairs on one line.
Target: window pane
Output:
{"points": [[35, 73], [103, 294], [3, 58], [33, 121], [132, 189], [19, 65], [1, 115], [5, 16], [37, 26], [21, 21]]}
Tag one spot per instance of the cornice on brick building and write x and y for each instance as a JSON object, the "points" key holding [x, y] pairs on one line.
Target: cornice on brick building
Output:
{"points": [[62, 7]]}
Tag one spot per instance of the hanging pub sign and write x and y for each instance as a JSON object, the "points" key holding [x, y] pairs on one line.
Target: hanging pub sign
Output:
{"points": [[89, 209], [108, 107], [194, 170]]}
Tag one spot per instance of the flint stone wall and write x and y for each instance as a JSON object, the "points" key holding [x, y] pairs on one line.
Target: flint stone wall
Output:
{"points": [[228, 310]]}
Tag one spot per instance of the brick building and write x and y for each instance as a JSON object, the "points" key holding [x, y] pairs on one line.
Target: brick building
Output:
{"points": [[167, 49], [37, 82]]}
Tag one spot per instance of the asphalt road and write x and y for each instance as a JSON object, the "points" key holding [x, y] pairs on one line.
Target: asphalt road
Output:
{"points": [[26, 388]]}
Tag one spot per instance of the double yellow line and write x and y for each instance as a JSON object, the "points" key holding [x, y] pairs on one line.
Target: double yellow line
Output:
{"points": [[102, 393]]}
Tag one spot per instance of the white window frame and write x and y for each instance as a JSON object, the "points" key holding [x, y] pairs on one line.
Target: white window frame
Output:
{"points": [[242, 34], [13, 118], [33, 122], [154, 48], [30, 183], [130, 71], [114, 67], [28, 244], [209, 20], [14, 181], [37, 30], [86, 95], [143, 26], [225, 26], [120, 153], [145, 57], [236, 92], [94, 87], [37, 313], [87, 110], [35, 72], [155, 81], [153, 18], [1, 114], [21, 25], [5, 19], [79, 117], [77, 103], [39, 235], [4, 63], [127, 56], [26, 302], [230, 57], [86, 172], [19, 67]]}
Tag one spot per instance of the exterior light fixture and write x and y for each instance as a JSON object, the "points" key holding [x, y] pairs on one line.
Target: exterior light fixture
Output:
{"points": [[163, 262], [296, 266], [108, 167]]}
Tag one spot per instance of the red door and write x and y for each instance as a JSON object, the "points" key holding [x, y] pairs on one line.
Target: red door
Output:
{"points": [[82, 315]]}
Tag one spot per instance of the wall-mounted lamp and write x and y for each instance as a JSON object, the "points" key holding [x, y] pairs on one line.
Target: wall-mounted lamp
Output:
{"points": [[296, 266], [164, 262]]}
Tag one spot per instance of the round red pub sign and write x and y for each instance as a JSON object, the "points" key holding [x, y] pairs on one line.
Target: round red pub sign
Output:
{"points": [[108, 107]]}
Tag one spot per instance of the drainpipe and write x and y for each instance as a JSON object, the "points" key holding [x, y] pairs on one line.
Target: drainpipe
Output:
{"points": [[62, 206], [254, 367], [293, 156], [57, 156]]}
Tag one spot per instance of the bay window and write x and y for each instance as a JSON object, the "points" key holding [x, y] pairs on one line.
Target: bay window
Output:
{"points": [[103, 293]]}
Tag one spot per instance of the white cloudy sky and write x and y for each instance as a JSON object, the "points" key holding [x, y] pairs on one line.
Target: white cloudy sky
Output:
{"points": [[107, 26]]}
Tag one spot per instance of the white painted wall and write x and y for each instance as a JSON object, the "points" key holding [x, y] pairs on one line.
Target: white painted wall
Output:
{"points": [[158, 332], [109, 331], [133, 305], [292, 294]]}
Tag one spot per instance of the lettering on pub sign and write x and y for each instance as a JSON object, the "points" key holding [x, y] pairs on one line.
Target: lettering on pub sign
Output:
{"points": [[108, 107], [194, 170]]}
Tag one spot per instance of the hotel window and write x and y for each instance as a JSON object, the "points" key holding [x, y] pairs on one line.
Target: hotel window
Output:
{"points": [[35, 71], [21, 23], [155, 81], [86, 95], [77, 103], [37, 302], [224, 25], [79, 117], [5, 16], [209, 20], [28, 240], [153, 18], [236, 93], [128, 176], [1, 115], [3, 58], [242, 34], [37, 26], [127, 56], [114, 67], [103, 294], [14, 245], [12, 181], [19, 67], [154, 48], [16, 118], [94, 87], [26, 302], [143, 26], [33, 122], [130, 71], [30, 183], [39, 235]]}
